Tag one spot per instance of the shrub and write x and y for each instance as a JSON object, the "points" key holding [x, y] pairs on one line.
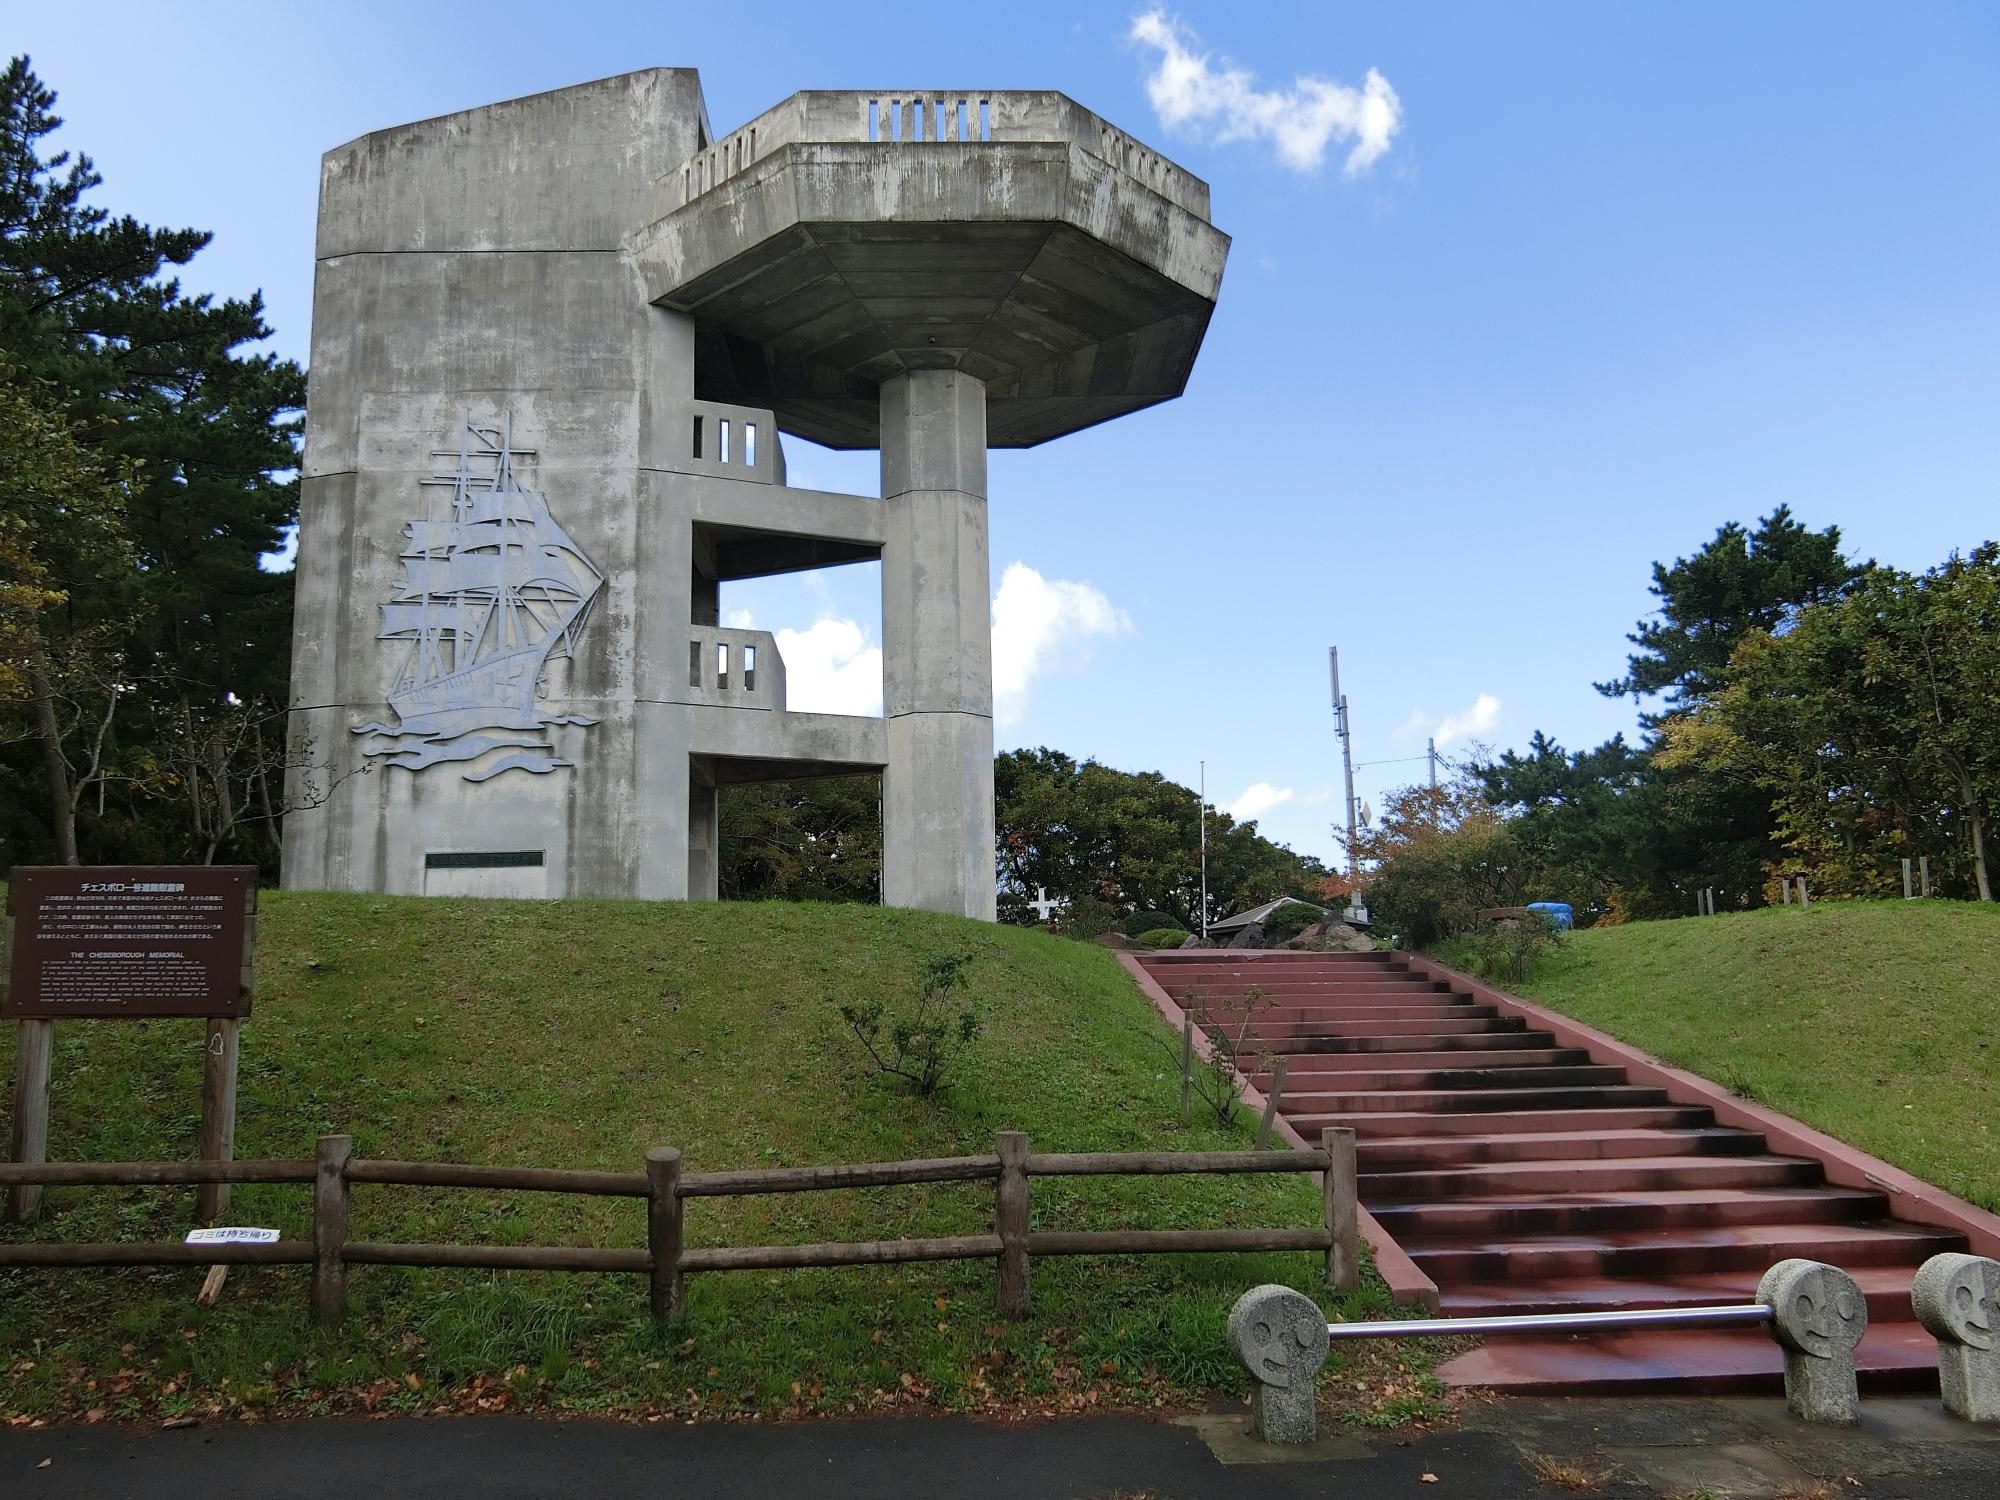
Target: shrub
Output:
{"points": [[1510, 947], [1162, 937], [1291, 919], [923, 1040], [1142, 922], [1217, 1080], [1086, 917]]}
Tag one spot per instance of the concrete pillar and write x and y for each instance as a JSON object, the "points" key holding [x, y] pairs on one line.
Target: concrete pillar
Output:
{"points": [[937, 646], [704, 835]]}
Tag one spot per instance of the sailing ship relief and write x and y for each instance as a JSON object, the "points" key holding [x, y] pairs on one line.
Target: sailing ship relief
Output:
{"points": [[492, 590]]}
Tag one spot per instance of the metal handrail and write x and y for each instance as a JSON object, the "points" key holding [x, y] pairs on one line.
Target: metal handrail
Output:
{"points": [[1651, 1317]]}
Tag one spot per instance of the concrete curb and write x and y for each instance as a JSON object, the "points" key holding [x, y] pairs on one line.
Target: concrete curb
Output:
{"points": [[1406, 1282], [1910, 1197]]}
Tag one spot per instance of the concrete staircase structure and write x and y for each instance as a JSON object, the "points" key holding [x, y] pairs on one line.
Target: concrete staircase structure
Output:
{"points": [[1525, 1174]]}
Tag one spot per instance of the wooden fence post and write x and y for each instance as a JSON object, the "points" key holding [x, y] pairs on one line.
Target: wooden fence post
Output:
{"points": [[218, 1111], [1271, 1102], [1343, 1251], [663, 1231], [31, 1112], [1187, 1060], [331, 1195], [1011, 1212]]}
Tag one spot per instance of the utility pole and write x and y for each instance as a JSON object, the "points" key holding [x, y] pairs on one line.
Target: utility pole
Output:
{"points": [[1346, 755], [1431, 747], [1204, 849]]}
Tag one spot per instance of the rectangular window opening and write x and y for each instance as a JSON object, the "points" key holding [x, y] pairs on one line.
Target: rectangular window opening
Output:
{"points": [[694, 664], [697, 437], [749, 445], [958, 121], [986, 119], [483, 859], [722, 440], [895, 119], [748, 656], [722, 664]]}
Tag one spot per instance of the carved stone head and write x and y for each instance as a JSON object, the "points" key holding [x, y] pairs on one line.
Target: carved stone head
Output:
{"points": [[1957, 1297], [1816, 1309], [1279, 1335]]}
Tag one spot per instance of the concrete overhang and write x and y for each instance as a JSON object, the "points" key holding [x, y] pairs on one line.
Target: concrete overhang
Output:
{"points": [[1074, 275]]}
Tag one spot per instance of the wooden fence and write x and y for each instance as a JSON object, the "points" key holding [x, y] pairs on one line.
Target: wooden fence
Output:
{"points": [[666, 1261]]}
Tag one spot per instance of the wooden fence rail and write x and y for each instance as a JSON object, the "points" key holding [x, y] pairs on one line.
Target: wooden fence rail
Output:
{"points": [[667, 1261]]}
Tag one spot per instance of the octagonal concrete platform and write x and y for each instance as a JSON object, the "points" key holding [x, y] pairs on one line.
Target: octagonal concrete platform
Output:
{"points": [[1014, 237]]}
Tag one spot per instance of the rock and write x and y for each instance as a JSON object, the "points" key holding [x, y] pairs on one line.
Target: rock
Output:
{"points": [[1248, 937], [1196, 940], [1957, 1297], [1325, 935], [1818, 1315], [1117, 940], [1360, 943], [1280, 1336]]}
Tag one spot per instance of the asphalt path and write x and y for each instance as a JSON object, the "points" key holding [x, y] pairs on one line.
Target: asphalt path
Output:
{"points": [[1639, 1449]]}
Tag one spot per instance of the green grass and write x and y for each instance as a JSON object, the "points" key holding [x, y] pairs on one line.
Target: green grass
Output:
{"points": [[579, 1034], [1877, 1022]]}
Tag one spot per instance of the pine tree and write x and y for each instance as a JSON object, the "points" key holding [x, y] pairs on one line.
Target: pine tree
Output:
{"points": [[151, 375]]}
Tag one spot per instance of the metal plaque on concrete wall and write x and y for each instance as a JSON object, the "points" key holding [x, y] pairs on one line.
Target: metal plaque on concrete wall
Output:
{"points": [[129, 940]]}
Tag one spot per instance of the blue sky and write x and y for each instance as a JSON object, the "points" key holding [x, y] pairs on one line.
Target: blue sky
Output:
{"points": [[1621, 274]]}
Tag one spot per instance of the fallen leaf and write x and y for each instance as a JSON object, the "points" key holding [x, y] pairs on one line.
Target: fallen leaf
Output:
{"points": [[1427, 1478], [45, 1463]]}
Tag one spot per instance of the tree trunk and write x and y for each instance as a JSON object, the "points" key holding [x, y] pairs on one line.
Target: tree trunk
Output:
{"points": [[1979, 852], [55, 768]]}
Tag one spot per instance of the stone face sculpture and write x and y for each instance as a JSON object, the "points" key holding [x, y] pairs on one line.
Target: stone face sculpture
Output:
{"points": [[1957, 1297], [1818, 1315], [1280, 1336]]}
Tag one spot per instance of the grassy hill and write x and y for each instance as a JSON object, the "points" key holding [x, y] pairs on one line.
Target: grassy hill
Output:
{"points": [[1877, 1022], [579, 1034]]}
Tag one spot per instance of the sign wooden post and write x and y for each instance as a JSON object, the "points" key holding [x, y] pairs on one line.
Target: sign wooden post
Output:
{"points": [[127, 940], [31, 1112]]}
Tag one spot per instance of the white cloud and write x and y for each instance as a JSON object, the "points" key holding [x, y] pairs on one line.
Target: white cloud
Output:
{"points": [[1414, 725], [1221, 102], [1038, 621], [830, 668], [739, 619], [1258, 798], [1478, 719]]}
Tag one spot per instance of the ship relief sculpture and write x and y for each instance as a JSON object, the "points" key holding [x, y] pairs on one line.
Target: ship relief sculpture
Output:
{"points": [[492, 591]]}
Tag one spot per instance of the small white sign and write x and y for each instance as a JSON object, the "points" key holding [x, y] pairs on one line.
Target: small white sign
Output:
{"points": [[231, 1237]]}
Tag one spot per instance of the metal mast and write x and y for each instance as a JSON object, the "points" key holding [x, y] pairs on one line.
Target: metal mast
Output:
{"points": [[1346, 755], [1204, 849]]}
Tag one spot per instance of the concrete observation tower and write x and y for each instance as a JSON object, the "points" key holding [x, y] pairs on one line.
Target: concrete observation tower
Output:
{"points": [[555, 341]]}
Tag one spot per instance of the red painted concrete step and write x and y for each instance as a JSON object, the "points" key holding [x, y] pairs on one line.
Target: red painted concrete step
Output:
{"points": [[1663, 1208], [1479, 1041], [1892, 1357], [1453, 1259], [1554, 1145], [1394, 1077], [1403, 1123], [1616, 1174], [1886, 1288], [1308, 1064], [1466, 1101]]}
